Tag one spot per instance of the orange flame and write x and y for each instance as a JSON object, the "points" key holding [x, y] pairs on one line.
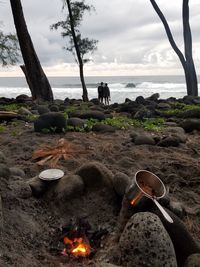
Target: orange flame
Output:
{"points": [[78, 247]]}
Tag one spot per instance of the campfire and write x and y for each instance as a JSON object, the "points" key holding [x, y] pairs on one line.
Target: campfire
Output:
{"points": [[78, 247], [79, 240]]}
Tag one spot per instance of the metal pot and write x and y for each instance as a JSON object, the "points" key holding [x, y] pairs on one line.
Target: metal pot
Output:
{"points": [[147, 184]]}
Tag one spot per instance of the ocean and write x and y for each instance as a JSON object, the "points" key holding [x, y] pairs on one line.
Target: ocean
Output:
{"points": [[166, 86]]}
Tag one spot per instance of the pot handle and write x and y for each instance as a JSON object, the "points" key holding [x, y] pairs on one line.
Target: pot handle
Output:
{"points": [[163, 211]]}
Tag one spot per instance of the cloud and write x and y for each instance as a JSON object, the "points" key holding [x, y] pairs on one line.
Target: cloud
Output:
{"points": [[131, 36]]}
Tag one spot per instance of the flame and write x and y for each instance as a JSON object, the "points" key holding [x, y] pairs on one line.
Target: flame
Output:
{"points": [[78, 247], [134, 200]]}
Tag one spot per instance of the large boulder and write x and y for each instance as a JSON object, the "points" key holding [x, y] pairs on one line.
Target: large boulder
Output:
{"points": [[76, 122], [145, 242], [69, 186], [190, 124], [120, 183], [95, 175], [193, 261], [52, 121]]}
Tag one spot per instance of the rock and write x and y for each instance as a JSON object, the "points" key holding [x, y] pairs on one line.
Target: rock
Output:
{"points": [[169, 141], [193, 260], [144, 140], [43, 109], [103, 128], [192, 113], [190, 124], [95, 174], [4, 171], [176, 132], [120, 182], [143, 113], [145, 242], [54, 108], [95, 101], [140, 100], [182, 240], [76, 122], [17, 172], [163, 105], [153, 97], [38, 186], [23, 98], [52, 121], [24, 111], [173, 130], [2, 157], [69, 186], [92, 114], [130, 85]]}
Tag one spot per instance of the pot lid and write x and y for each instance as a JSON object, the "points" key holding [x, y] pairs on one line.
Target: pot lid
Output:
{"points": [[51, 174]]}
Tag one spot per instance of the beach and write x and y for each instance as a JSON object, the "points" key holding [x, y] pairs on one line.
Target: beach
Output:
{"points": [[121, 87], [102, 163]]}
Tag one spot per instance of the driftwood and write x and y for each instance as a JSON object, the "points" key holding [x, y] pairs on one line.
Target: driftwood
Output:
{"points": [[8, 115]]}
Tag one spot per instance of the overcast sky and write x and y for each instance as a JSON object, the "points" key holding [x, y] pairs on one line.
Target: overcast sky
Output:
{"points": [[132, 39]]}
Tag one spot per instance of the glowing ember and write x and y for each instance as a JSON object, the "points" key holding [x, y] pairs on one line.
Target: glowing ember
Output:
{"points": [[77, 247]]}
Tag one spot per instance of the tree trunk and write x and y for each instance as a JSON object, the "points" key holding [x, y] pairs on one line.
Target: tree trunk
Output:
{"points": [[80, 61], [40, 87], [85, 93], [191, 79], [187, 61]]}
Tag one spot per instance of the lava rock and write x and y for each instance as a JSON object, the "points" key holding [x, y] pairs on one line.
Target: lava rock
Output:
{"points": [[91, 114], [52, 121], [163, 105], [43, 109], [120, 182], [54, 108], [169, 141], [38, 186], [145, 242], [193, 260], [76, 122], [24, 111], [69, 186], [153, 97], [140, 100], [190, 124], [183, 242], [103, 128], [95, 174], [142, 113], [144, 140]]}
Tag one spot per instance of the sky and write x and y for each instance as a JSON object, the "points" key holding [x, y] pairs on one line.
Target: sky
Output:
{"points": [[132, 39]]}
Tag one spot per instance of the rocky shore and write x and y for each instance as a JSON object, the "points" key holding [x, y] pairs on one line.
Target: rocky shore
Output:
{"points": [[99, 148]]}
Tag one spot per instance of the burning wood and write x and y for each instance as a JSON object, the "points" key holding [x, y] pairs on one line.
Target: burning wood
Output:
{"points": [[78, 247], [51, 154]]}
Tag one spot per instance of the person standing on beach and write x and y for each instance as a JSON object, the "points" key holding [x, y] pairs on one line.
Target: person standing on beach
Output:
{"points": [[100, 92], [106, 94]]}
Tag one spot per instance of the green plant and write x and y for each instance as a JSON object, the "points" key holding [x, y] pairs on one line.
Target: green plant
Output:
{"points": [[9, 107], [153, 124], [31, 118]]}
